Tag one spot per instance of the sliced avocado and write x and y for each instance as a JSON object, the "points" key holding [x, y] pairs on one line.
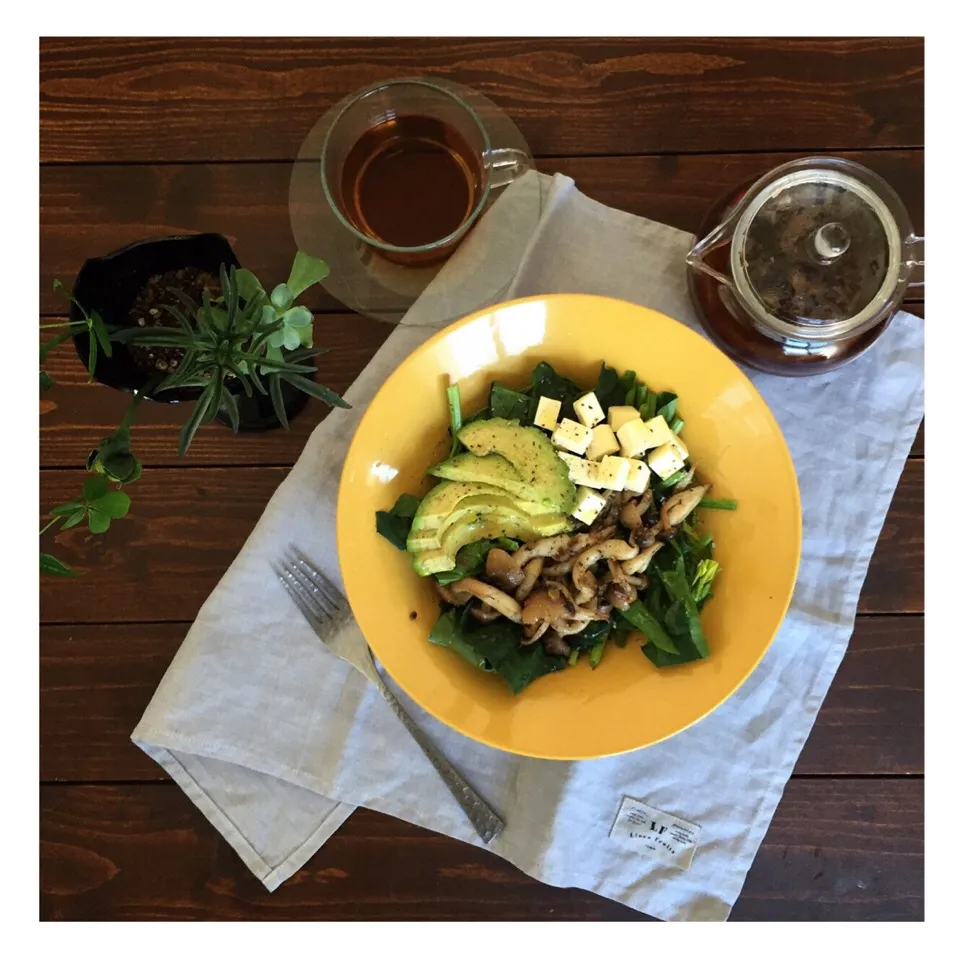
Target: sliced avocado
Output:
{"points": [[488, 527], [443, 500], [481, 508], [529, 452], [495, 470]]}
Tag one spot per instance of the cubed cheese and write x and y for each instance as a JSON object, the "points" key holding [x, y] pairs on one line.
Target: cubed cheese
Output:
{"points": [[678, 445], [602, 442], [660, 431], [634, 438], [664, 461], [589, 504], [572, 436], [548, 414], [580, 471], [618, 416], [588, 410], [638, 477], [614, 472]]}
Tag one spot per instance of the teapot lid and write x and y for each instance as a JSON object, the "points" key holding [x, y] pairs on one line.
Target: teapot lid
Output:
{"points": [[816, 252]]}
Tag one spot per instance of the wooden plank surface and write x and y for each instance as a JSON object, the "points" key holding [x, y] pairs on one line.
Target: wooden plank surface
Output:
{"points": [[95, 682], [146, 99], [836, 850], [89, 211], [187, 524]]}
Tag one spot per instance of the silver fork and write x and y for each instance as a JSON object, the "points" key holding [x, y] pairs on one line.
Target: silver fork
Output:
{"points": [[325, 609]]}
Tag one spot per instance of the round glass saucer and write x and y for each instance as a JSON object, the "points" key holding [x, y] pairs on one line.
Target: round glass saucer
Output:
{"points": [[364, 281]]}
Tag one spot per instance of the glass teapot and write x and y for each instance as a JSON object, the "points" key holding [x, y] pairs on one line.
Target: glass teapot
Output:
{"points": [[803, 270]]}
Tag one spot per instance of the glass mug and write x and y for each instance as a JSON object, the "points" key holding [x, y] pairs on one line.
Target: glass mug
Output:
{"points": [[408, 167]]}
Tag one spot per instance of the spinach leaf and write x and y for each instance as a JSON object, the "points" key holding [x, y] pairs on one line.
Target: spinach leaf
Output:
{"points": [[472, 558], [548, 383], [677, 587], [496, 646], [596, 653], [394, 524], [511, 404], [703, 577], [649, 407], [620, 630], [686, 653], [609, 390], [628, 383], [640, 618], [590, 636]]}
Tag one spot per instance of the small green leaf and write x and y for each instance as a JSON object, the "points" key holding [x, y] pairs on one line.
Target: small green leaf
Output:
{"points": [[94, 488], [92, 356], [74, 519], [99, 329], [190, 428], [277, 339], [114, 504], [97, 521], [304, 273], [281, 297], [57, 568], [65, 509], [57, 285], [46, 381], [306, 336], [297, 317]]}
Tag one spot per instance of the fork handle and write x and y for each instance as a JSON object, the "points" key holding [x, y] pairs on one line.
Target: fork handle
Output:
{"points": [[483, 818]]}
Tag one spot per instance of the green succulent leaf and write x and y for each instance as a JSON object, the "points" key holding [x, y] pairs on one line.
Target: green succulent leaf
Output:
{"points": [[228, 404], [291, 338], [248, 286], [190, 428], [277, 339], [99, 330], [276, 397], [297, 317], [305, 272], [46, 381], [315, 390], [281, 297]]}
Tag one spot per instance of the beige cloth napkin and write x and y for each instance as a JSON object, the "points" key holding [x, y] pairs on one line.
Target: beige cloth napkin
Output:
{"points": [[277, 741]]}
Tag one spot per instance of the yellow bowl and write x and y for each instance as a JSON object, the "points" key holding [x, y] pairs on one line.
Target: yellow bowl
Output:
{"points": [[626, 703]]}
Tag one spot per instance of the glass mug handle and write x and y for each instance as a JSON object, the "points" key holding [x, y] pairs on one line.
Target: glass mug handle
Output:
{"points": [[504, 165], [917, 247]]}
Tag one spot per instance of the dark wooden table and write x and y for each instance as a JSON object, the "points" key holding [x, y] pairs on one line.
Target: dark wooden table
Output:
{"points": [[144, 137]]}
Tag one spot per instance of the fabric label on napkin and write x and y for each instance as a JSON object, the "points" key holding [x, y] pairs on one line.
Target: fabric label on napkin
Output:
{"points": [[656, 833]]}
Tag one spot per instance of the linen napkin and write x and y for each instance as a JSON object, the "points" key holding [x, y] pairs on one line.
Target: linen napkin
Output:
{"points": [[277, 741]]}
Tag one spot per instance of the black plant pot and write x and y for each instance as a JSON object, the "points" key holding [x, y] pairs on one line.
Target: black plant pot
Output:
{"points": [[110, 285]]}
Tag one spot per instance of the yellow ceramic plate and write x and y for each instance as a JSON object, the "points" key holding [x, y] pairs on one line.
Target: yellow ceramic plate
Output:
{"points": [[735, 442]]}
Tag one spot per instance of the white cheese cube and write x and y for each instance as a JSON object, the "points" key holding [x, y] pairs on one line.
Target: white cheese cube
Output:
{"points": [[660, 431], [602, 442], [634, 438], [618, 416], [678, 445], [614, 472], [589, 504], [548, 414], [571, 436], [664, 461], [638, 477], [579, 470], [588, 410]]}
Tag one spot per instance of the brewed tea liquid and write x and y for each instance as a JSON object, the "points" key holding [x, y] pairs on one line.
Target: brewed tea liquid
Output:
{"points": [[410, 181]]}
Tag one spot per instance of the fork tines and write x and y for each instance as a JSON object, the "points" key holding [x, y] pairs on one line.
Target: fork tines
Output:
{"points": [[315, 596]]}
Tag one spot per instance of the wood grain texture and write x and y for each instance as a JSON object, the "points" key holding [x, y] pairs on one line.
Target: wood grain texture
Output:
{"points": [[187, 524], [89, 211], [836, 850], [140, 99], [96, 681]]}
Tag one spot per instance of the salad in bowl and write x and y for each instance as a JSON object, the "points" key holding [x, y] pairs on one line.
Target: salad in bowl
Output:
{"points": [[564, 518]]}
